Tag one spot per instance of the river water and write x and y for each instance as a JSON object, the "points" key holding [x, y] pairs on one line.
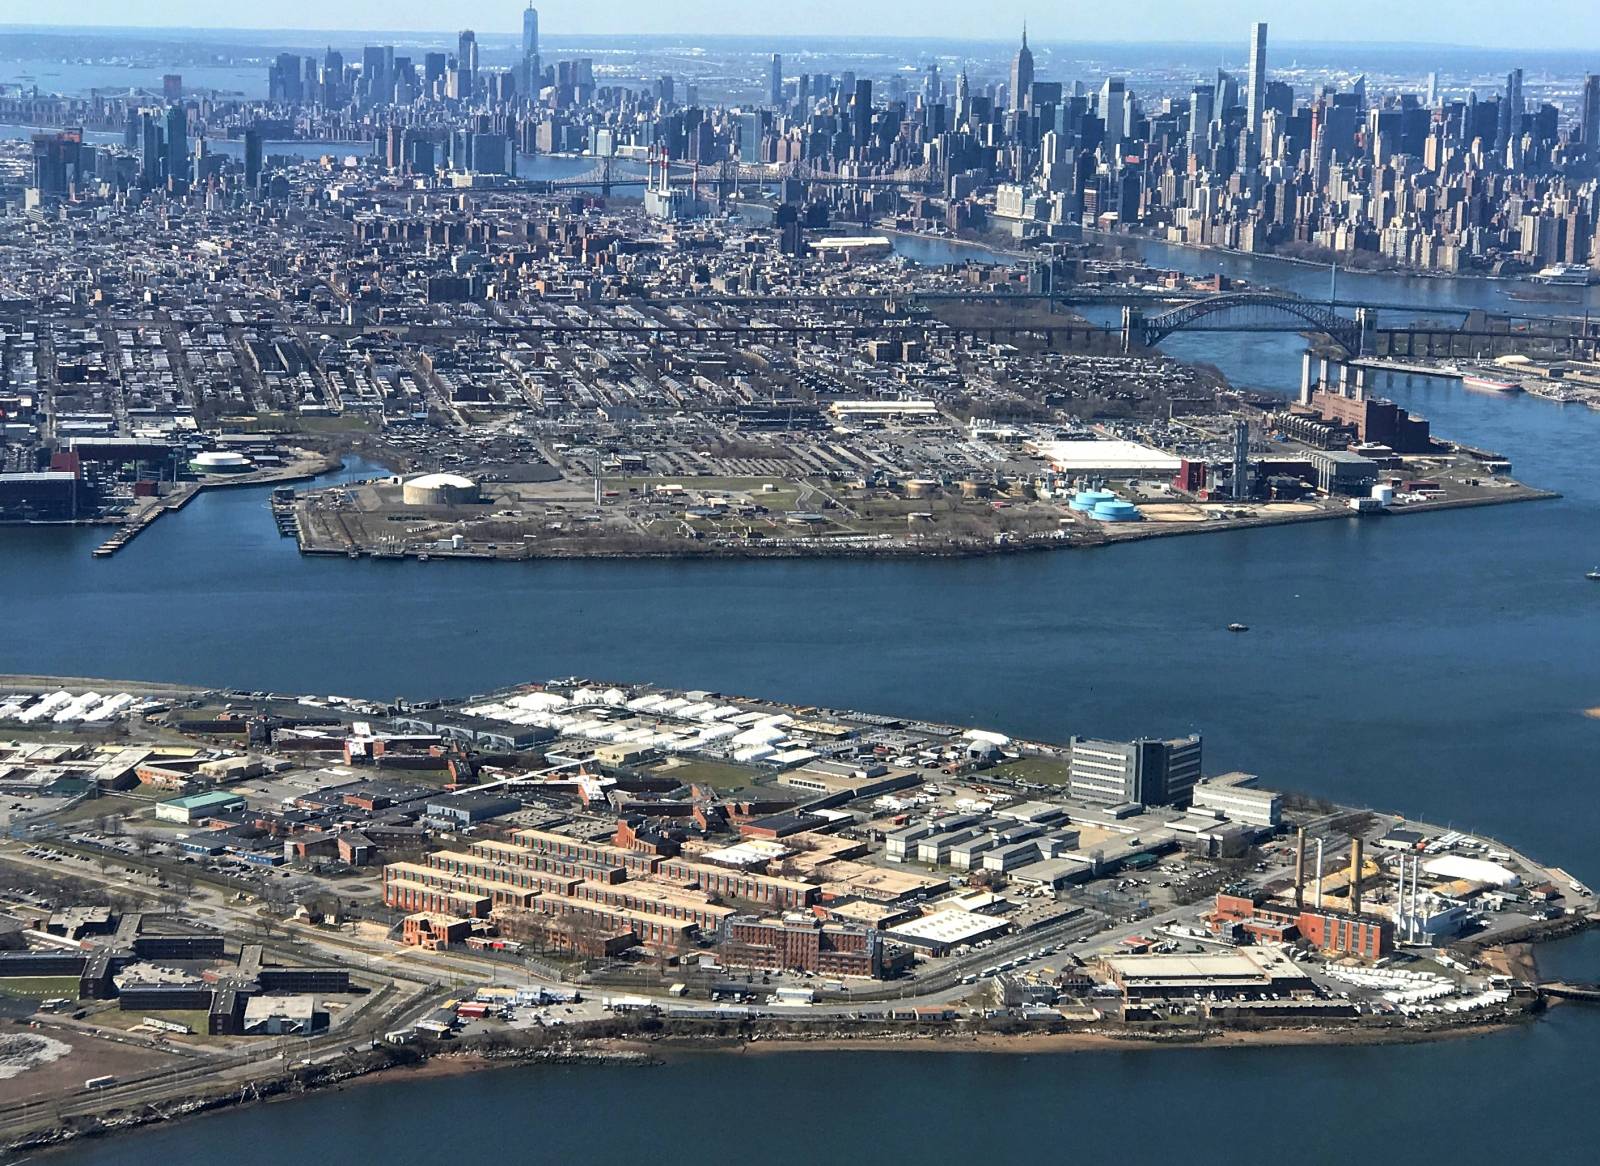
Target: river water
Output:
{"points": [[1438, 665]]}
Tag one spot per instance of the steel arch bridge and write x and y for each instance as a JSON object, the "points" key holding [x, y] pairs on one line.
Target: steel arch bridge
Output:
{"points": [[1253, 312]]}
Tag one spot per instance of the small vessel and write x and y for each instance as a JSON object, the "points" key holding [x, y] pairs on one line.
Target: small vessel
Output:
{"points": [[1594, 575], [1489, 385], [1238, 627]]}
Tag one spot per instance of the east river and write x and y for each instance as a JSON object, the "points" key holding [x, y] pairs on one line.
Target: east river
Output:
{"points": [[1438, 665]]}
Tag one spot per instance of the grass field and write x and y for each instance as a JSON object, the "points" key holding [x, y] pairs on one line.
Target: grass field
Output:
{"points": [[1044, 770], [40, 987], [197, 1019], [717, 774]]}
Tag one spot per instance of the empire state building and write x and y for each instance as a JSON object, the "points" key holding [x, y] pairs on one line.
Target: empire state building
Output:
{"points": [[1022, 75]]}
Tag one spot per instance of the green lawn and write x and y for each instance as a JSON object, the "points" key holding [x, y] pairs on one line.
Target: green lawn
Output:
{"points": [[716, 774], [1044, 770], [40, 987], [197, 1019]]}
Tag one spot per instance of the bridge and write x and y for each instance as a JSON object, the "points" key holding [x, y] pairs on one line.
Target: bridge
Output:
{"points": [[1250, 311], [729, 175], [1584, 993]]}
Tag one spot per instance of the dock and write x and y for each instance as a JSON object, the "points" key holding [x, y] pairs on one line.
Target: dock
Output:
{"points": [[136, 525], [283, 510]]}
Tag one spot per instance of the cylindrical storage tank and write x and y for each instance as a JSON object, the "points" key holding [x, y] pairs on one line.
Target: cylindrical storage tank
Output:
{"points": [[1115, 510], [457, 542], [1383, 495], [439, 490], [921, 488], [974, 490], [1087, 500], [221, 462]]}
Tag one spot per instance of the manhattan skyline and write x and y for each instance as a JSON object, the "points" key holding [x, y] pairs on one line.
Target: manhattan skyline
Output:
{"points": [[1563, 24]]}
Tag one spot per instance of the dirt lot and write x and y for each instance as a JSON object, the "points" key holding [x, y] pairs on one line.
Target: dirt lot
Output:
{"points": [[87, 1056]]}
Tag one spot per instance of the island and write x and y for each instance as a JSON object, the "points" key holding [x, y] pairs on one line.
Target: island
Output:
{"points": [[580, 869]]}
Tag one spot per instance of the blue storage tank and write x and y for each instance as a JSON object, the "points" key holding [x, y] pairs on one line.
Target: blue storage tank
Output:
{"points": [[1115, 510], [1087, 500]]}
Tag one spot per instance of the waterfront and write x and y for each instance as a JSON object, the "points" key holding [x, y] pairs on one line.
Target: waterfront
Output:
{"points": [[1435, 666], [1015, 1107]]}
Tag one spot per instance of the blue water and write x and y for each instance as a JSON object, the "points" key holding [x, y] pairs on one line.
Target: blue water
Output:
{"points": [[1437, 665]]}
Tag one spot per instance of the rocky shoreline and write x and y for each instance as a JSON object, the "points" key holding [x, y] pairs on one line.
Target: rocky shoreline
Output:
{"points": [[661, 1045]]}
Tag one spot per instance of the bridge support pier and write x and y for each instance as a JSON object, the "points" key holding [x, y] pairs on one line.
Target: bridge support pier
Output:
{"points": [[1132, 329]]}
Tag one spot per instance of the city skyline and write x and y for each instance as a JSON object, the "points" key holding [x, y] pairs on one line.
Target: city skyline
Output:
{"points": [[1566, 25]]}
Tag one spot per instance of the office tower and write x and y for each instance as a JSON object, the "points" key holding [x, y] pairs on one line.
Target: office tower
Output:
{"points": [[252, 157], [177, 163], [149, 151], [467, 62], [1202, 110], [1433, 90], [372, 77], [172, 86], [963, 96], [1589, 116], [57, 162], [861, 113], [1113, 102], [1144, 772], [751, 138], [433, 65], [932, 90], [530, 51], [130, 132], [775, 82], [1256, 95], [1022, 73]]}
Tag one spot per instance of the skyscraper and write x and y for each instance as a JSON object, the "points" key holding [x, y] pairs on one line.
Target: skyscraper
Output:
{"points": [[252, 157], [1022, 74], [861, 113], [467, 62], [775, 82], [177, 160], [1256, 97], [530, 50], [1510, 120], [1113, 102], [1589, 118]]}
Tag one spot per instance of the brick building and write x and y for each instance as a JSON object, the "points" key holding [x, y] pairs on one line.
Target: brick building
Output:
{"points": [[1336, 932], [811, 945]]}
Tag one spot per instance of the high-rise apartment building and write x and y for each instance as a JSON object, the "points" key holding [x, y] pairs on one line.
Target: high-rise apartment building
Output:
{"points": [[1256, 93]]}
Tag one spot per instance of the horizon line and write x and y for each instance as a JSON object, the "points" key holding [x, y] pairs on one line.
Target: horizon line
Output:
{"points": [[1048, 42]]}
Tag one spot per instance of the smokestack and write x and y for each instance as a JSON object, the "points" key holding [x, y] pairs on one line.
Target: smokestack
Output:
{"points": [[1416, 897], [1305, 378], [1319, 874], [1355, 876], [1300, 868]]}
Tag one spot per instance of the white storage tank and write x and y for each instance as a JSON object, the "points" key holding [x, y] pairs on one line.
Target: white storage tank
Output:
{"points": [[439, 490], [1383, 495]]}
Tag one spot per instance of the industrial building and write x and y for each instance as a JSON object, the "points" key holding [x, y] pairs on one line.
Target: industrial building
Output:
{"points": [[197, 807], [1234, 795]]}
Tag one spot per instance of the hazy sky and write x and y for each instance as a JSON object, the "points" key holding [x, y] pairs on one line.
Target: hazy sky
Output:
{"points": [[1558, 24]]}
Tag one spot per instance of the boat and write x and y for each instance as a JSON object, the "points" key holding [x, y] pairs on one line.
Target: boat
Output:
{"points": [[1566, 275], [1594, 575], [1489, 384], [1238, 627]]}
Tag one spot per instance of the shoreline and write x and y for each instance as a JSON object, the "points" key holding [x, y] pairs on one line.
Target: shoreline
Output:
{"points": [[674, 1050], [1124, 533]]}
